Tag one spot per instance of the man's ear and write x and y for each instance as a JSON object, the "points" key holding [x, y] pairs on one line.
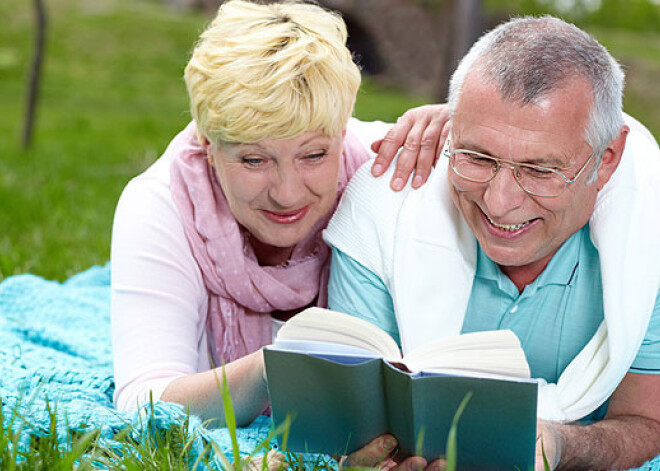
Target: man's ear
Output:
{"points": [[612, 157]]}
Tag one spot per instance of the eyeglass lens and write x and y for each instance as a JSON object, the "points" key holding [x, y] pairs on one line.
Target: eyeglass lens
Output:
{"points": [[534, 180]]}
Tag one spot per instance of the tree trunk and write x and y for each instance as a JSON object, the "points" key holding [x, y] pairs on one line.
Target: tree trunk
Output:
{"points": [[35, 73], [463, 27]]}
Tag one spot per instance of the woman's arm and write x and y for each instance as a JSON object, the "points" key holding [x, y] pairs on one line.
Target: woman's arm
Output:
{"points": [[201, 391], [159, 305]]}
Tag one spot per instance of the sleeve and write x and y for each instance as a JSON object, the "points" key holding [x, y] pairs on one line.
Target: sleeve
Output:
{"points": [[355, 290], [648, 357], [158, 299]]}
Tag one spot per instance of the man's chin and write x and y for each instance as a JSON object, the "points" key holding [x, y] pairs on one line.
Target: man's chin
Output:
{"points": [[504, 257]]}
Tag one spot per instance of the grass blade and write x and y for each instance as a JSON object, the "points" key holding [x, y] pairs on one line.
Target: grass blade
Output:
{"points": [[546, 465], [419, 446], [451, 450], [230, 418]]}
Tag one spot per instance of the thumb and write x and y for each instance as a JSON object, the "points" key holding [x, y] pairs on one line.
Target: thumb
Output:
{"points": [[373, 453]]}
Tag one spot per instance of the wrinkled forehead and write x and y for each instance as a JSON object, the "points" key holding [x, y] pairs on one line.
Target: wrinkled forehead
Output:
{"points": [[553, 125]]}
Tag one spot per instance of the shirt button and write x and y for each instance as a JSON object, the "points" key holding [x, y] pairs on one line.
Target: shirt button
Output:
{"points": [[514, 309]]}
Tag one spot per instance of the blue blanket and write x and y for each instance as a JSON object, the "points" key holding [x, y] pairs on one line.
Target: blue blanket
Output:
{"points": [[55, 352]]}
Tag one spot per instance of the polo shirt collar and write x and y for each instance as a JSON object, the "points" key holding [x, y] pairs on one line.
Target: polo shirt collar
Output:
{"points": [[559, 271]]}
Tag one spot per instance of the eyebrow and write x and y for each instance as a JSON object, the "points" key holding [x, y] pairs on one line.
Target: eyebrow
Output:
{"points": [[542, 161], [257, 145]]}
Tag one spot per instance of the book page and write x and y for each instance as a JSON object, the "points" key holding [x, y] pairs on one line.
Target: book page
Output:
{"points": [[491, 352], [323, 325], [322, 348]]}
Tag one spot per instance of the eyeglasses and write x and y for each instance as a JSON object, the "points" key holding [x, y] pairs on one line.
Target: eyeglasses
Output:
{"points": [[533, 179]]}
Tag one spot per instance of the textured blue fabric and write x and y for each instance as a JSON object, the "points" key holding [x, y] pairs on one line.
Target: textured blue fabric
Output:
{"points": [[55, 354]]}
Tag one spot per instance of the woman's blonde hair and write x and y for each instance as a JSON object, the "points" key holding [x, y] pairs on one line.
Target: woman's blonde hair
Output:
{"points": [[271, 71]]}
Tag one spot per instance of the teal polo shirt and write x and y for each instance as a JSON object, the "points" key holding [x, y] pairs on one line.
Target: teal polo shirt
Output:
{"points": [[554, 317]]}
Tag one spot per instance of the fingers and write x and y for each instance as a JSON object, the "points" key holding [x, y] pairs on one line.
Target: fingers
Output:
{"points": [[419, 133], [414, 148], [429, 149], [388, 147], [414, 463], [375, 453], [375, 146], [437, 465]]}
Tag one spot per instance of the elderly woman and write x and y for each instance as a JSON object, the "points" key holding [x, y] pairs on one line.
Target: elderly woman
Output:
{"points": [[219, 241]]}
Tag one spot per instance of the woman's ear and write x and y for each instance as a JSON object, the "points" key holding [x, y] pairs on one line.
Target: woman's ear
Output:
{"points": [[206, 146]]}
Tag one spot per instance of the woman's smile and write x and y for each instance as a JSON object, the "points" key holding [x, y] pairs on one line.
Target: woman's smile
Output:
{"points": [[286, 217]]}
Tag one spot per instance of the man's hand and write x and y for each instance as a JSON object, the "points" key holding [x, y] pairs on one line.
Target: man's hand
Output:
{"points": [[421, 132], [381, 453], [548, 443]]}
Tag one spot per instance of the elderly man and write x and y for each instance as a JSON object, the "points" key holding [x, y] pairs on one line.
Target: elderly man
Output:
{"points": [[519, 229]]}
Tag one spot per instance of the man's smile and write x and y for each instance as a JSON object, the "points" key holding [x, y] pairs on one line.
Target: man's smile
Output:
{"points": [[508, 231]]}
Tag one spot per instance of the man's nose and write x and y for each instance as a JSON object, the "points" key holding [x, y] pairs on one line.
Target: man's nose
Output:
{"points": [[287, 188], [503, 193]]}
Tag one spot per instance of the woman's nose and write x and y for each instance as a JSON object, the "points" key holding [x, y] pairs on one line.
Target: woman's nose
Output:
{"points": [[287, 188]]}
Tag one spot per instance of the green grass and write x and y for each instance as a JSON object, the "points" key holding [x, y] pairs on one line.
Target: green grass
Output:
{"points": [[111, 99], [150, 448], [639, 53]]}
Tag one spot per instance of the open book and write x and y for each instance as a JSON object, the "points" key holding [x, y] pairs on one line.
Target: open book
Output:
{"points": [[341, 380], [330, 333]]}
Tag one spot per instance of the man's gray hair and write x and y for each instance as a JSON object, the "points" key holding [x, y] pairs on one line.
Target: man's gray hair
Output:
{"points": [[529, 58]]}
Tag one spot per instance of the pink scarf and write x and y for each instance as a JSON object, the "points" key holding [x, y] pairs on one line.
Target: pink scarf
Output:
{"points": [[242, 294]]}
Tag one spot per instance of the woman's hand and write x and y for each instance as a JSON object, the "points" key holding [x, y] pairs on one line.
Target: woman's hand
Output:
{"points": [[381, 453], [421, 132]]}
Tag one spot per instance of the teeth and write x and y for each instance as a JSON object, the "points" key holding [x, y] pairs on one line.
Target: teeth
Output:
{"points": [[508, 227]]}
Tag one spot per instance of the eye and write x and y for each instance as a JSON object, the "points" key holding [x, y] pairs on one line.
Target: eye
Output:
{"points": [[540, 171], [537, 172], [477, 159], [253, 162], [315, 157]]}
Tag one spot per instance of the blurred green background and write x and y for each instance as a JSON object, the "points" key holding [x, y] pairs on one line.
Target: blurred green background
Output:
{"points": [[112, 97]]}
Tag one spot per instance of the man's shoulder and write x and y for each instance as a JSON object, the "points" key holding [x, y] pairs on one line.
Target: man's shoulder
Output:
{"points": [[364, 224], [366, 190]]}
